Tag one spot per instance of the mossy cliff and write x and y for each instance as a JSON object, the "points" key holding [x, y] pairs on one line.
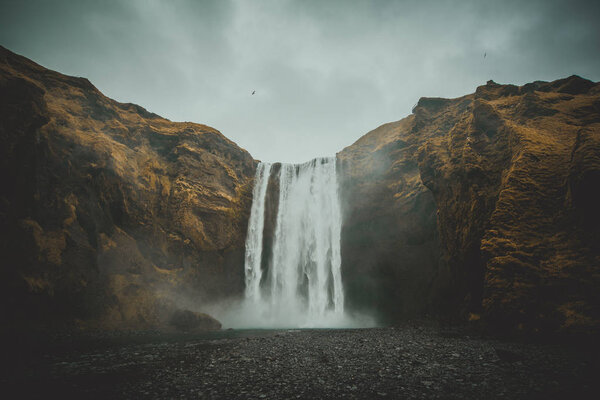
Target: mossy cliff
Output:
{"points": [[482, 206], [109, 212]]}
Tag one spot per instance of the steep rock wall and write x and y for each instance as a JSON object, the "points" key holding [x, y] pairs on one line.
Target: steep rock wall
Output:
{"points": [[504, 184], [485, 205], [111, 213]]}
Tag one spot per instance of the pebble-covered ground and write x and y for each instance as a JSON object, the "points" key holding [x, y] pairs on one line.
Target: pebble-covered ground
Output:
{"points": [[408, 362]]}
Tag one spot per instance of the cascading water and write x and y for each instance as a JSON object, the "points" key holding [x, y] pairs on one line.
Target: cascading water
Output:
{"points": [[254, 237], [302, 285]]}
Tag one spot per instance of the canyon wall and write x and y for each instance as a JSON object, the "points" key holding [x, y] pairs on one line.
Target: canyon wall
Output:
{"points": [[481, 206], [110, 213]]}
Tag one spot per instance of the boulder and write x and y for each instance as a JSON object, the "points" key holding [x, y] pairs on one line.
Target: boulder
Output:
{"points": [[186, 320]]}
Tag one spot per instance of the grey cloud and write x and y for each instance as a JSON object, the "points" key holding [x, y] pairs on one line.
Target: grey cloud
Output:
{"points": [[325, 72]]}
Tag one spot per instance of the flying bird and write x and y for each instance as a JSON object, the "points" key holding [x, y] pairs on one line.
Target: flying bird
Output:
{"points": [[254, 91], [484, 54]]}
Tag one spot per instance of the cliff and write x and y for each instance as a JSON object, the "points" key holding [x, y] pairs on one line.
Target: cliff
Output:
{"points": [[110, 213], [503, 185], [481, 207]]}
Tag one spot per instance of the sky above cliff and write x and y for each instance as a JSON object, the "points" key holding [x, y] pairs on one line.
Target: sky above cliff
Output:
{"points": [[325, 73]]}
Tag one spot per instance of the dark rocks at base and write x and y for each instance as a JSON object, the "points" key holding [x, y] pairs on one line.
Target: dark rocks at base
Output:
{"points": [[410, 362], [190, 321], [507, 355]]}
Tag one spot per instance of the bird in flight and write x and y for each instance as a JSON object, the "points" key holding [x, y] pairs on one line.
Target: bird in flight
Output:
{"points": [[254, 91], [484, 54]]}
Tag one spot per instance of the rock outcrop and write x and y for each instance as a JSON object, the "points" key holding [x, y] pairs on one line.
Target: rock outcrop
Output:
{"points": [[504, 184], [110, 213], [189, 321]]}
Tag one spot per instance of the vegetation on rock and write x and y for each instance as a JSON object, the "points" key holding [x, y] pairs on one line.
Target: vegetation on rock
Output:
{"points": [[505, 182], [111, 213], [483, 207]]}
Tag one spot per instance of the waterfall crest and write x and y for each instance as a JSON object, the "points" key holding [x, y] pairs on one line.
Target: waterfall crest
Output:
{"points": [[302, 283]]}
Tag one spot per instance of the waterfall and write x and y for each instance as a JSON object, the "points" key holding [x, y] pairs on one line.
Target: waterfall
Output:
{"points": [[254, 237], [302, 283]]}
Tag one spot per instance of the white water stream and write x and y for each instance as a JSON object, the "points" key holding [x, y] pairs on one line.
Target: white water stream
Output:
{"points": [[302, 284]]}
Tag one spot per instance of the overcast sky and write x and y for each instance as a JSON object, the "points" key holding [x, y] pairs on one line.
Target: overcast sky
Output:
{"points": [[325, 72]]}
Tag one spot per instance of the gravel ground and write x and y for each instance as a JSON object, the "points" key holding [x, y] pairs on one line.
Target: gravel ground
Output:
{"points": [[404, 362]]}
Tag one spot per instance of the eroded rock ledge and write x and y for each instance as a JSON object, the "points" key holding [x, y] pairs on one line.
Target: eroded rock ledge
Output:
{"points": [[482, 205]]}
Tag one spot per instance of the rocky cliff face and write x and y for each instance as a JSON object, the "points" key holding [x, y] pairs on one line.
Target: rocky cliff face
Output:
{"points": [[504, 184], [109, 212], [390, 246], [484, 206]]}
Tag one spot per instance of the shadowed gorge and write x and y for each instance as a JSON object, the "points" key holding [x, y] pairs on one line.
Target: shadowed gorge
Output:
{"points": [[480, 207], [299, 199], [132, 245]]}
